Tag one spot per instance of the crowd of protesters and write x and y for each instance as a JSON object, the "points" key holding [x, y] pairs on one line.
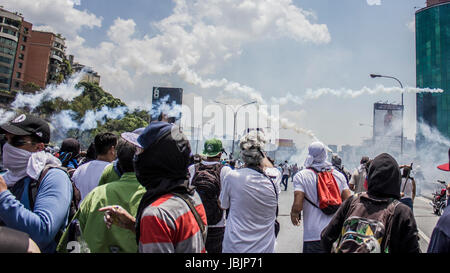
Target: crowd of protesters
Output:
{"points": [[144, 191]]}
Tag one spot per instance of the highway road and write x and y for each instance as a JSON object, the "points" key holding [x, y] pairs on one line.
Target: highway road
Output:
{"points": [[290, 238]]}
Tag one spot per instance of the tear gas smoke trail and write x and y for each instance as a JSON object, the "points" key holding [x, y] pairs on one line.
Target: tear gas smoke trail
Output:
{"points": [[286, 124], [236, 88], [428, 165], [348, 93], [66, 91], [193, 78]]}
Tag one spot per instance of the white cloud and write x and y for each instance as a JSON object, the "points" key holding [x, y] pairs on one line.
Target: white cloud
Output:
{"points": [[60, 16], [121, 31], [57, 16], [193, 42], [374, 2]]}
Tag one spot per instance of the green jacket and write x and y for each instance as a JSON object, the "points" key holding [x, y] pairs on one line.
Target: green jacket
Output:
{"points": [[108, 175], [126, 192]]}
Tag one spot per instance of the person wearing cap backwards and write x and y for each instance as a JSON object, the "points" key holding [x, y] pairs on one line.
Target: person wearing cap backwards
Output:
{"points": [[251, 195], [440, 238], [125, 192], [25, 158], [171, 217], [212, 153]]}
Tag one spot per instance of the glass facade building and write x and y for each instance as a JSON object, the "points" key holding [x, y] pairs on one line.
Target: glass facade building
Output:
{"points": [[433, 67], [9, 35]]}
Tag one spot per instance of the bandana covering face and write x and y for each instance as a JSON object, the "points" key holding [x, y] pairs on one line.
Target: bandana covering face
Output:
{"points": [[21, 163]]}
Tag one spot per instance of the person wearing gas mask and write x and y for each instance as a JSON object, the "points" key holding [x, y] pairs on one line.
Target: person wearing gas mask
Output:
{"points": [[32, 200]]}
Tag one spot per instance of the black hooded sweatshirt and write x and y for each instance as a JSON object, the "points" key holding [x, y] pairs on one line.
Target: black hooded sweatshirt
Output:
{"points": [[162, 167], [384, 179]]}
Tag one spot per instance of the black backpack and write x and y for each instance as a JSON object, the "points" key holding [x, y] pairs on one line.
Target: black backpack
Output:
{"points": [[207, 183]]}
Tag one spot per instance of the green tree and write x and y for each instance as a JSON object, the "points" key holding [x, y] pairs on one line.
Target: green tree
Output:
{"points": [[94, 98]]}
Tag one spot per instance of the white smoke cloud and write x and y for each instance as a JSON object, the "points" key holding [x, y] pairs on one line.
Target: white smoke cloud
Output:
{"points": [[91, 117], [66, 91], [6, 115], [65, 120]]}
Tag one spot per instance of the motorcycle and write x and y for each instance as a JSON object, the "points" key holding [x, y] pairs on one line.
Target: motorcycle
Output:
{"points": [[439, 200]]}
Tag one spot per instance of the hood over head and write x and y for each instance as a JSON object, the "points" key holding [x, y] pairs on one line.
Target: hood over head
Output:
{"points": [[162, 167], [384, 177]]}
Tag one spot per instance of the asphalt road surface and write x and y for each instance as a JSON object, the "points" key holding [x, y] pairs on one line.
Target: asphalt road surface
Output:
{"points": [[290, 238]]}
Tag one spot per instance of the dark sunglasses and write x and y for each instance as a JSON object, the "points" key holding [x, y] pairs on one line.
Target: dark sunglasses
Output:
{"points": [[19, 142]]}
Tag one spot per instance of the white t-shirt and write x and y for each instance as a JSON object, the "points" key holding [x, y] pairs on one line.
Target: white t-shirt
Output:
{"points": [[253, 203], [314, 220], [87, 176], [225, 170], [285, 169]]}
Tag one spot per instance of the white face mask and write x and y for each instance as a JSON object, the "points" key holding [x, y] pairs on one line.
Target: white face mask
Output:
{"points": [[15, 160], [21, 163]]}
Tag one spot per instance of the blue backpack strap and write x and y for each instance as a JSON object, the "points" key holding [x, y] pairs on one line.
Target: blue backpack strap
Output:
{"points": [[117, 169]]}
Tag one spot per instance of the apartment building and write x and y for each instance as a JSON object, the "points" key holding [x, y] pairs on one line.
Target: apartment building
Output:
{"points": [[14, 36]]}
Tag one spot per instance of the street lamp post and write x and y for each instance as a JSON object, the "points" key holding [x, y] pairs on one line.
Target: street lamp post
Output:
{"points": [[234, 121], [401, 86]]}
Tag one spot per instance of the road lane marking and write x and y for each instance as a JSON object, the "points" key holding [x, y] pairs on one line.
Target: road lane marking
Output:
{"points": [[425, 237]]}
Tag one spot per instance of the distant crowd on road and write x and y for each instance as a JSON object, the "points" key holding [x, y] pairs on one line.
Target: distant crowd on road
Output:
{"points": [[144, 191]]}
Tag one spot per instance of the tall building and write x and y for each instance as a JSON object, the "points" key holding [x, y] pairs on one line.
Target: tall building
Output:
{"points": [[433, 66], [29, 59], [14, 35], [46, 58]]}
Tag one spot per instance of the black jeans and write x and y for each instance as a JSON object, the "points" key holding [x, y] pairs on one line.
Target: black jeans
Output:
{"points": [[284, 181], [214, 239]]}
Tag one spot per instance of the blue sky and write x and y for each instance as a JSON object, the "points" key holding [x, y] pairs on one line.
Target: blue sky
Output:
{"points": [[272, 49]]}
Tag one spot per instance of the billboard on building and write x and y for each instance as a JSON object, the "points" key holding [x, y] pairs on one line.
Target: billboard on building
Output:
{"points": [[166, 101], [387, 124]]}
